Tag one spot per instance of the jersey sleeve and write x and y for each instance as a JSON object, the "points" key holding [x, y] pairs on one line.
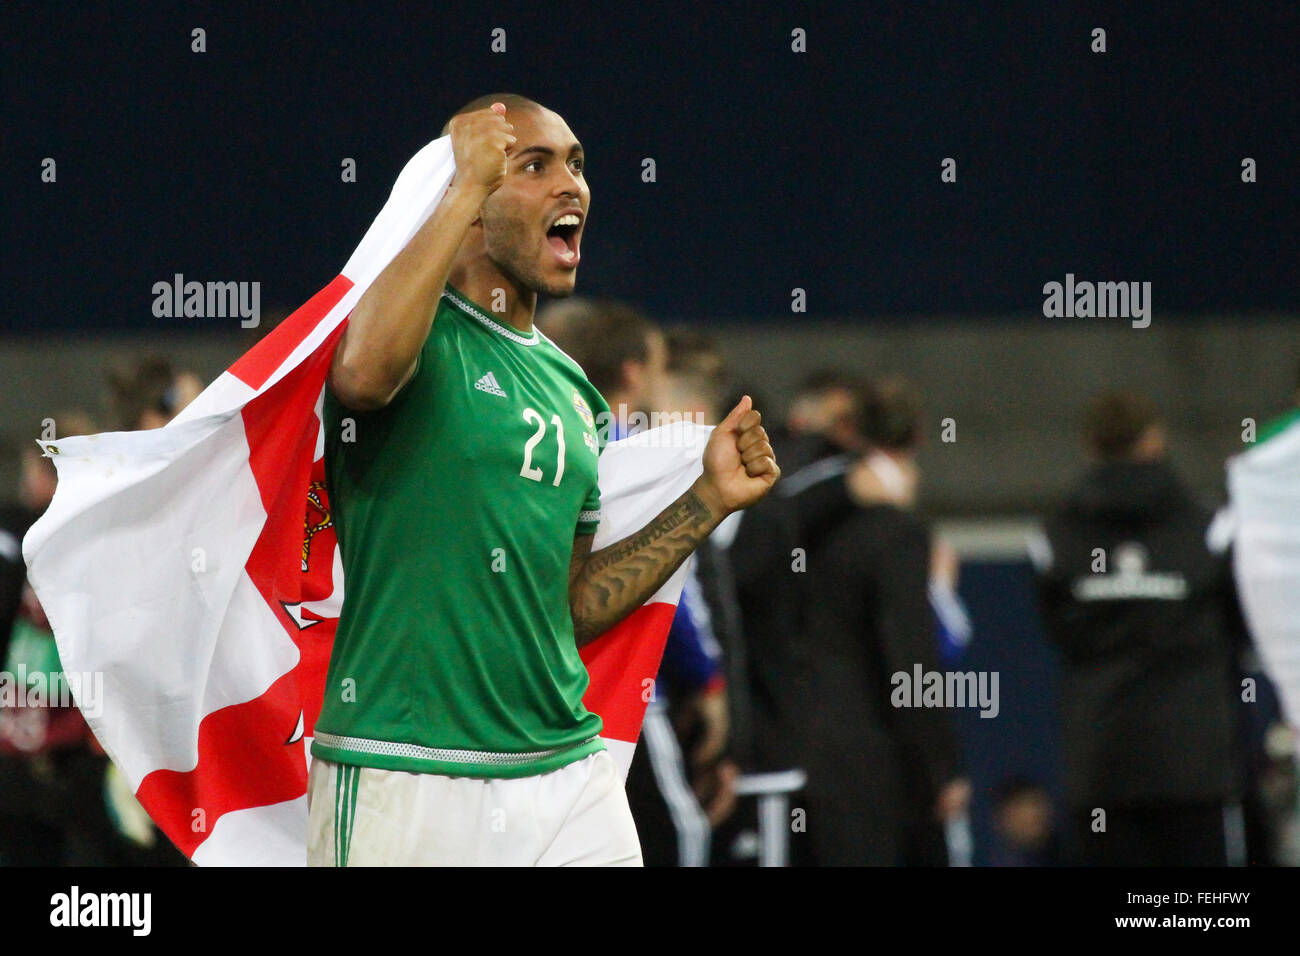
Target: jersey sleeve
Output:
{"points": [[589, 516]]}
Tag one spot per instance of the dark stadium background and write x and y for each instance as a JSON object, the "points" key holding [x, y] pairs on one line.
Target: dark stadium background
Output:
{"points": [[774, 171]]}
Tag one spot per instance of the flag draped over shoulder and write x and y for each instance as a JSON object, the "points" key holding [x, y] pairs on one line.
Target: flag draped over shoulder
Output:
{"points": [[1264, 488], [194, 572]]}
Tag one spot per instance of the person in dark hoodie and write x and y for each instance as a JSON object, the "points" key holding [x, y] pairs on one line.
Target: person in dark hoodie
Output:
{"points": [[1144, 615]]}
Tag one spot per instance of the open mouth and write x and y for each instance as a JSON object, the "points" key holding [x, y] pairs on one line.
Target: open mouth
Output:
{"points": [[563, 238]]}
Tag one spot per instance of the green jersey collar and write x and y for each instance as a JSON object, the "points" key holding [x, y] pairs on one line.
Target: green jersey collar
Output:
{"points": [[458, 299]]}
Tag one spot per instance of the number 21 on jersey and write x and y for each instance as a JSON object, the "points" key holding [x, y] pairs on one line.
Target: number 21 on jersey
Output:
{"points": [[534, 417]]}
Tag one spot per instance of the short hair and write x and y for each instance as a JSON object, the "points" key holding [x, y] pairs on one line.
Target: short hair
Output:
{"points": [[692, 352], [694, 358], [819, 383], [144, 384], [891, 414], [512, 101], [600, 335], [1114, 421]]}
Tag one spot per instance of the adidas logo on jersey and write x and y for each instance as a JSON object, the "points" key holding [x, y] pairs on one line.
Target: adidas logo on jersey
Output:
{"points": [[488, 383]]}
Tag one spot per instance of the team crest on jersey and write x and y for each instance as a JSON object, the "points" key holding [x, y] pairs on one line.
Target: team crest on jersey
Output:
{"points": [[583, 411]]}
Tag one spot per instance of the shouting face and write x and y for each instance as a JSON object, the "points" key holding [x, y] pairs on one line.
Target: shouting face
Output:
{"points": [[533, 222]]}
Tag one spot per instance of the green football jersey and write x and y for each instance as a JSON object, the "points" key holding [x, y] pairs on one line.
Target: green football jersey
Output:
{"points": [[456, 506]]}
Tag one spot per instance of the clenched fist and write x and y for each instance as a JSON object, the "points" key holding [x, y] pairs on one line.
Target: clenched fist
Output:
{"points": [[479, 141], [739, 464]]}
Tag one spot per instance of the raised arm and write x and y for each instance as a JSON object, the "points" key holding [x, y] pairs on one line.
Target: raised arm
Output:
{"points": [[377, 353], [607, 585]]}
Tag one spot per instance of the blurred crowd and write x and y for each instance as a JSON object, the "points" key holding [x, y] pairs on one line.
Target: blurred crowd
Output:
{"points": [[61, 800], [775, 733]]}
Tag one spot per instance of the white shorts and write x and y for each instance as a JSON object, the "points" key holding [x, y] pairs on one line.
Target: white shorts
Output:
{"points": [[575, 816]]}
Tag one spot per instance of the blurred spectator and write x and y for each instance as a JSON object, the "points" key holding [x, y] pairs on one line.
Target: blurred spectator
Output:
{"points": [[1144, 614], [149, 392], [51, 805], [824, 418], [768, 544], [36, 481], [882, 779], [61, 801], [1024, 820]]}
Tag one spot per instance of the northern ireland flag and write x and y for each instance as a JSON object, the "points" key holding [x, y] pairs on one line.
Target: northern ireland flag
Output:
{"points": [[195, 569]]}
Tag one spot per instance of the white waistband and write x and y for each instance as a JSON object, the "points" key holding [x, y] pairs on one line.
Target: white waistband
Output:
{"points": [[389, 748]]}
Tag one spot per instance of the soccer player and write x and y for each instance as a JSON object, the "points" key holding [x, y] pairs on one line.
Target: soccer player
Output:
{"points": [[461, 461]]}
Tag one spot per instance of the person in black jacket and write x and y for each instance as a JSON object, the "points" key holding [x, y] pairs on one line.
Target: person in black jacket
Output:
{"points": [[881, 778], [1143, 614], [821, 439]]}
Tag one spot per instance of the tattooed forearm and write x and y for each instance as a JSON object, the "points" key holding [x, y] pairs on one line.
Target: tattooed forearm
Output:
{"points": [[617, 580]]}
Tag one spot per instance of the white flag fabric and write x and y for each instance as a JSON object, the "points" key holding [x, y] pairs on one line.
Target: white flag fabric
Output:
{"points": [[194, 568], [1264, 488]]}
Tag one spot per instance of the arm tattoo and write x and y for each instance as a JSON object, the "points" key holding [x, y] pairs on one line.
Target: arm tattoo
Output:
{"points": [[615, 581]]}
